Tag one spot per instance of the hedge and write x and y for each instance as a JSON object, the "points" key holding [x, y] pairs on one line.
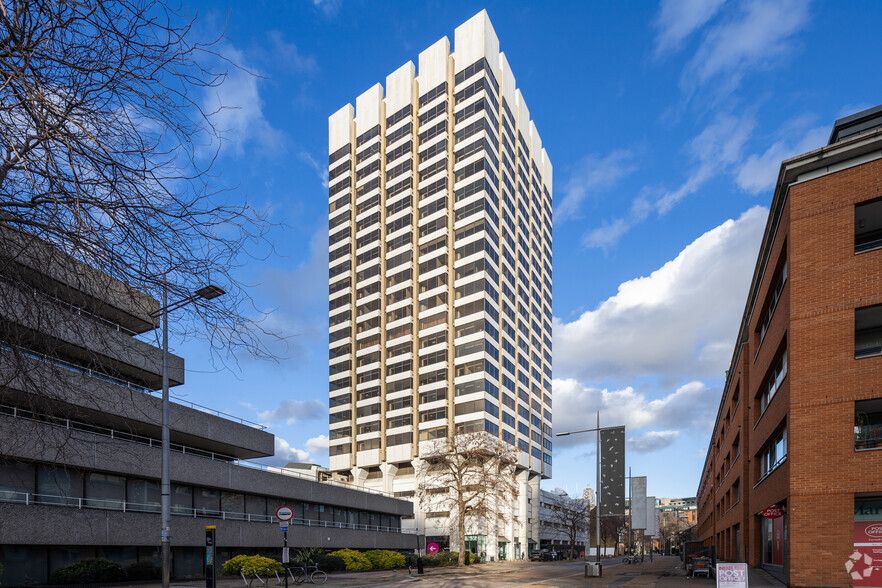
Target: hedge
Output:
{"points": [[355, 560], [258, 563], [88, 571], [383, 559]]}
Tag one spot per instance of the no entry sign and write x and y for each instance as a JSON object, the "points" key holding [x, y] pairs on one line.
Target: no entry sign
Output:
{"points": [[284, 513]]}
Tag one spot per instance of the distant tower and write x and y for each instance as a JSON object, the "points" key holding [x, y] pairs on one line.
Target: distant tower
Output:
{"points": [[440, 275], [588, 495]]}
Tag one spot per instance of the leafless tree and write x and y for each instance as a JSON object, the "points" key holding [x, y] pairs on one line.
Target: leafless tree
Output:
{"points": [[107, 153], [611, 530], [106, 164], [669, 528], [573, 516], [472, 477]]}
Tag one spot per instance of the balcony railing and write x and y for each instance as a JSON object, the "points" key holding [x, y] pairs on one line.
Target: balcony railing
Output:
{"points": [[867, 437], [110, 433], [99, 375], [32, 499]]}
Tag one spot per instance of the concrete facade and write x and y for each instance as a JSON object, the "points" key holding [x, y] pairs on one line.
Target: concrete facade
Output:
{"points": [[440, 276], [801, 413], [80, 441]]}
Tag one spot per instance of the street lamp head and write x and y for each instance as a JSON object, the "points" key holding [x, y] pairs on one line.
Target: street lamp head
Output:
{"points": [[210, 292]]}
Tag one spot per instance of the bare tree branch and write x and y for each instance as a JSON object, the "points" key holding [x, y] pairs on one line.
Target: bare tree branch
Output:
{"points": [[105, 152]]}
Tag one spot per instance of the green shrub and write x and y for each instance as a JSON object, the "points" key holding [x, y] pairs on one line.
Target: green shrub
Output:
{"points": [[88, 571], [143, 570], [442, 558], [258, 563], [383, 559], [307, 554], [355, 560], [330, 563]]}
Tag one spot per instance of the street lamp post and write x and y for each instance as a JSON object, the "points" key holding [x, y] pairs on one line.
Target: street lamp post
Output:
{"points": [[596, 430], [206, 293]]}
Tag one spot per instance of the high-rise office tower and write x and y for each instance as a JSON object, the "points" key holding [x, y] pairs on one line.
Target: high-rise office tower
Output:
{"points": [[440, 276]]}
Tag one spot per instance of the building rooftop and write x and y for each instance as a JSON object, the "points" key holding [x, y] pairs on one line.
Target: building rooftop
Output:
{"points": [[855, 124]]}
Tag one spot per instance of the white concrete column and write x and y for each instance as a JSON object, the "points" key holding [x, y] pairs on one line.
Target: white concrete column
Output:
{"points": [[389, 470], [523, 479], [359, 475], [534, 492], [419, 515]]}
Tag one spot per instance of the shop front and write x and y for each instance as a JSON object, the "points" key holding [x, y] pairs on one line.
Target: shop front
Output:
{"points": [[865, 564], [773, 529]]}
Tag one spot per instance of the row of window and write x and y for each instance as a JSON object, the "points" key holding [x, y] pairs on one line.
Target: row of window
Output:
{"points": [[63, 486]]}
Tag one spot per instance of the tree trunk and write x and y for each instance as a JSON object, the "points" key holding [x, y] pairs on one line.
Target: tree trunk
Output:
{"points": [[462, 545]]}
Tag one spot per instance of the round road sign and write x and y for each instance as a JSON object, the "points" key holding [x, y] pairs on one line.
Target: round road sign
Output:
{"points": [[432, 548], [284, 513]]}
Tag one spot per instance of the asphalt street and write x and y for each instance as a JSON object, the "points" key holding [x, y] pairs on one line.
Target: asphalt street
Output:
{"points": [[662, 572]]}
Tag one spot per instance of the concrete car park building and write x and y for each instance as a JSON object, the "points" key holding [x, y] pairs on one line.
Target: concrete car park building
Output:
{"points": [[440, 276], [791, 481], [80, 445]]}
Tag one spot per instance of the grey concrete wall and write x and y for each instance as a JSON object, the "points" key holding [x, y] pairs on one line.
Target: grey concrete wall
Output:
{"points": [[34, 441], [51, 525], [81, 397], [72, 280], [86, 338]]}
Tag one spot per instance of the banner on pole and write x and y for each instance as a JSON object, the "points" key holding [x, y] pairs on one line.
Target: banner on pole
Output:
{"points": [[612, 471], [651, 517], [638, 502]]}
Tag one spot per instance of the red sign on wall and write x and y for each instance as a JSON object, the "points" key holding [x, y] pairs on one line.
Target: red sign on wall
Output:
{"points": [[865, 564], [773, 512]]}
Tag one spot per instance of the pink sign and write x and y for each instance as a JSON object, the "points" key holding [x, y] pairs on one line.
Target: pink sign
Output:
{"points": [[432, 548], [731, 575]]}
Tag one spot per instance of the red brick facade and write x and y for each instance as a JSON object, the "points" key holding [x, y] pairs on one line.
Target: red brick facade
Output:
{"points": [[811, 232]]}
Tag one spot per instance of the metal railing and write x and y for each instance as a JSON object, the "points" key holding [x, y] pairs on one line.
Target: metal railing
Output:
{"points": [[297, 474], [99, 375], [33, 499], [110, 433]]}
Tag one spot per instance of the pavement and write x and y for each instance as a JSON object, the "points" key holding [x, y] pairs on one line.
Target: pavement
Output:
{"points": [[662, 572]]}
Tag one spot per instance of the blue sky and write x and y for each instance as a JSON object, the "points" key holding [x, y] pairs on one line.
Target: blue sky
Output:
{"points": [[666, 124]]}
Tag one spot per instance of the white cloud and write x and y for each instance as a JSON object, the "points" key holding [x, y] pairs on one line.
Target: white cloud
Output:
{"points": [[238, 109], [652, 441], [284, 454], [318, 444], [677, 19], [757, 37], [593, 174], [680, 321], [287, 56], [759, 172], [610, 232], [299, 296], [575, 406], [607, 234], [294, 411], [329, 8], [717, 150], [320, 170], [719, 146]]}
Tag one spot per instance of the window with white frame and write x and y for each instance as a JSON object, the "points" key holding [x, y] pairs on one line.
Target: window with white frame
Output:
{"points": [[773, 382], [774, 453]]}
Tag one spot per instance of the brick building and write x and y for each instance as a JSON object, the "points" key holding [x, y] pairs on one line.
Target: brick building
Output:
{"points": [[800, 420]]}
